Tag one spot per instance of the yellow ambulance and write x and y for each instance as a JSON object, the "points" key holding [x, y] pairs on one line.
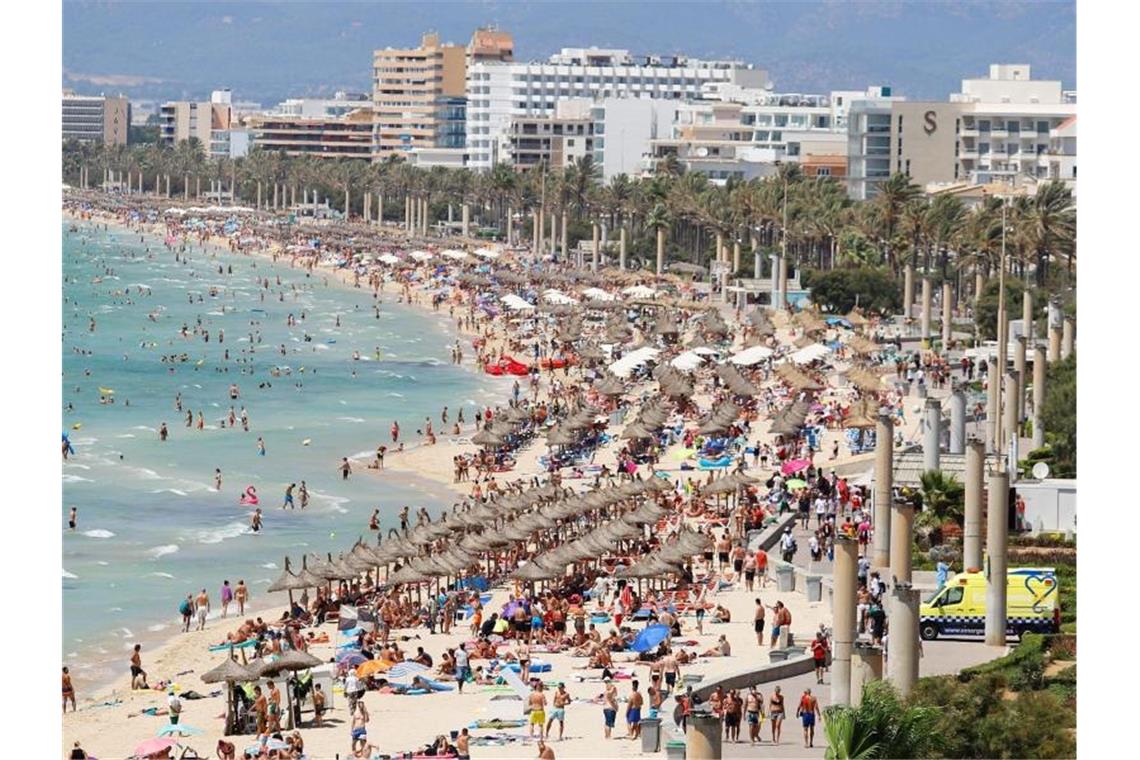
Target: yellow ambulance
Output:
{"points": [[959, 607]]}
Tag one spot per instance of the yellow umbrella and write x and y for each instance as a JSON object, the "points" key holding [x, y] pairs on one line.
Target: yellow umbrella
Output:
{"points": [[372, 666]]}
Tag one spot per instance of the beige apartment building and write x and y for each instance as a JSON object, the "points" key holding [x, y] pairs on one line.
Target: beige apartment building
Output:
{"points": [[407, 84], [96, 118], [419, 94], [345, 136]]}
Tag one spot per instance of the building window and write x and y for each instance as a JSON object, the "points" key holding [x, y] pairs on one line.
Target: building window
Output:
{"points": [[908, 167], [900, 122], [824, 171]]}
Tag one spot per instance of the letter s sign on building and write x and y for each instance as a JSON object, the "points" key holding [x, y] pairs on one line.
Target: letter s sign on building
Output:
{"points": [[931, 123]]}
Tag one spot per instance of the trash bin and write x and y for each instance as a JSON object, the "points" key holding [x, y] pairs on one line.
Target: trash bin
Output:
{"points": [[675, 750], [650, 735], [785, 577], [814, 588]]}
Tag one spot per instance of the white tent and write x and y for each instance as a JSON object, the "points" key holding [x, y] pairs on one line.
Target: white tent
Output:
{"points": [[640, 291], [420, 255], [514, 303], [597, 294], [558, 297], [688, 361], [387, 258], [624, 366], [750, 356], [809, 354], [486, 253], [454, 253]]}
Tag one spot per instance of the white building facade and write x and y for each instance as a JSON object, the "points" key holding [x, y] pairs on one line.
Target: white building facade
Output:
{"points": [[498, 91]]}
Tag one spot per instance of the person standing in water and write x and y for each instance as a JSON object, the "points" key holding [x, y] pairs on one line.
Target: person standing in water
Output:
{"points": [[162, 432], [72, 519], [304, 492], [241, 593], [255, 520], [345, 468], [227, 595], [289, 496], [260, 449], [217, 478]]}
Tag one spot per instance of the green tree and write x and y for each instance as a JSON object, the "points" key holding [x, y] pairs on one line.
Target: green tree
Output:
{"points": [[986, 313], [840, 290], [882, 726], [1059, 415]]}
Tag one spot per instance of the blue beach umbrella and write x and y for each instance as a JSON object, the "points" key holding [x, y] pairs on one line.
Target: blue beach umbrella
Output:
{"points": [[406, 668], [650, 637], [350, 659]]}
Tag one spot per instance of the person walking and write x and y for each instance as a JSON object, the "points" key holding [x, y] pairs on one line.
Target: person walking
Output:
{"points": [[807, 711], [758, 622], [776, 713], [754, 711], [819, 650]]}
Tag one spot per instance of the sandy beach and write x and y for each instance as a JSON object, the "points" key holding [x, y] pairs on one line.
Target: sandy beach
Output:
{"points": [[109, 720]]}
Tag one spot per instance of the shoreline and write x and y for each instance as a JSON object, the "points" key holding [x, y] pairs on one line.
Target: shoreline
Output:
{"points": [[158, 644]]}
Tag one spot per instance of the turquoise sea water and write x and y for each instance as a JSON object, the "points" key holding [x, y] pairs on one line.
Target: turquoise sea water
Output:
{"points": [[151, 526]]}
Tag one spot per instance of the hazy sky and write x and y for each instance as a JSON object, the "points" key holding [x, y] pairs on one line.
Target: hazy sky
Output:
{"points": [[268, 50]]}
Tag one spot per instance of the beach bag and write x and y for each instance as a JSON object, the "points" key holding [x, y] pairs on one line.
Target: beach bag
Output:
{"points": [[184, 608]]}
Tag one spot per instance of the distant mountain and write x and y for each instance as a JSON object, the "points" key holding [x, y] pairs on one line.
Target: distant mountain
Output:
{"points": [[266, 51]]}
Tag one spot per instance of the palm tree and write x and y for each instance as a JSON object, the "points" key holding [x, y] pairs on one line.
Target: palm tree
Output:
{"points": [[1052, 227], [658, 220], [881, 726], [893, 196]]}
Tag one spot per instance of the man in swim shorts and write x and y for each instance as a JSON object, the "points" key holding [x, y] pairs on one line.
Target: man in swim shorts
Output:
{"points": [[609, 710], [807, 711], [536, 706], [558, 713], [633, 712]]}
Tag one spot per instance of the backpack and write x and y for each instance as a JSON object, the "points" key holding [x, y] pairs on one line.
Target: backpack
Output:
{"points": [[184, 608]]}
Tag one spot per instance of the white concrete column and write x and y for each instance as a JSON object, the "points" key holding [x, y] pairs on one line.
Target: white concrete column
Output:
{"points": [[902, 539], [957, 421], [924, 324], [621, 249], [947, 314], [866, 666], [908, 289], [735, 256], [510, 226], [843, 603], [1027, 315], [379, 208], [783, 282], [466, 219], [565, 230], [774, 298], [997, 542], [1019, 368], [1038, 396], [972, 534], [993, 406], [1012, 434], [931, 432], [594, 255], [979, 285], [902, 659], [1066, 338], [536, 219], [553, 235], [660, 251], [425, 217], [884, 475], [1054, 344]]}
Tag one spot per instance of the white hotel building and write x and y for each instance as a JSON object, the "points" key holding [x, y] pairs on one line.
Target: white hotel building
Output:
{"points": [[499, 91], [1006, 129]]}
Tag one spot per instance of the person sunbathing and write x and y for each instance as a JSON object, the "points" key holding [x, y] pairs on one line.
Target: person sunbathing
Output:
{"points": [[601, 658], [722, 649], [722, 615]]}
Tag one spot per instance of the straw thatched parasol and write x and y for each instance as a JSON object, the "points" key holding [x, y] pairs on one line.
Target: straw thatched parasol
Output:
{"points": [[229, 673]]}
